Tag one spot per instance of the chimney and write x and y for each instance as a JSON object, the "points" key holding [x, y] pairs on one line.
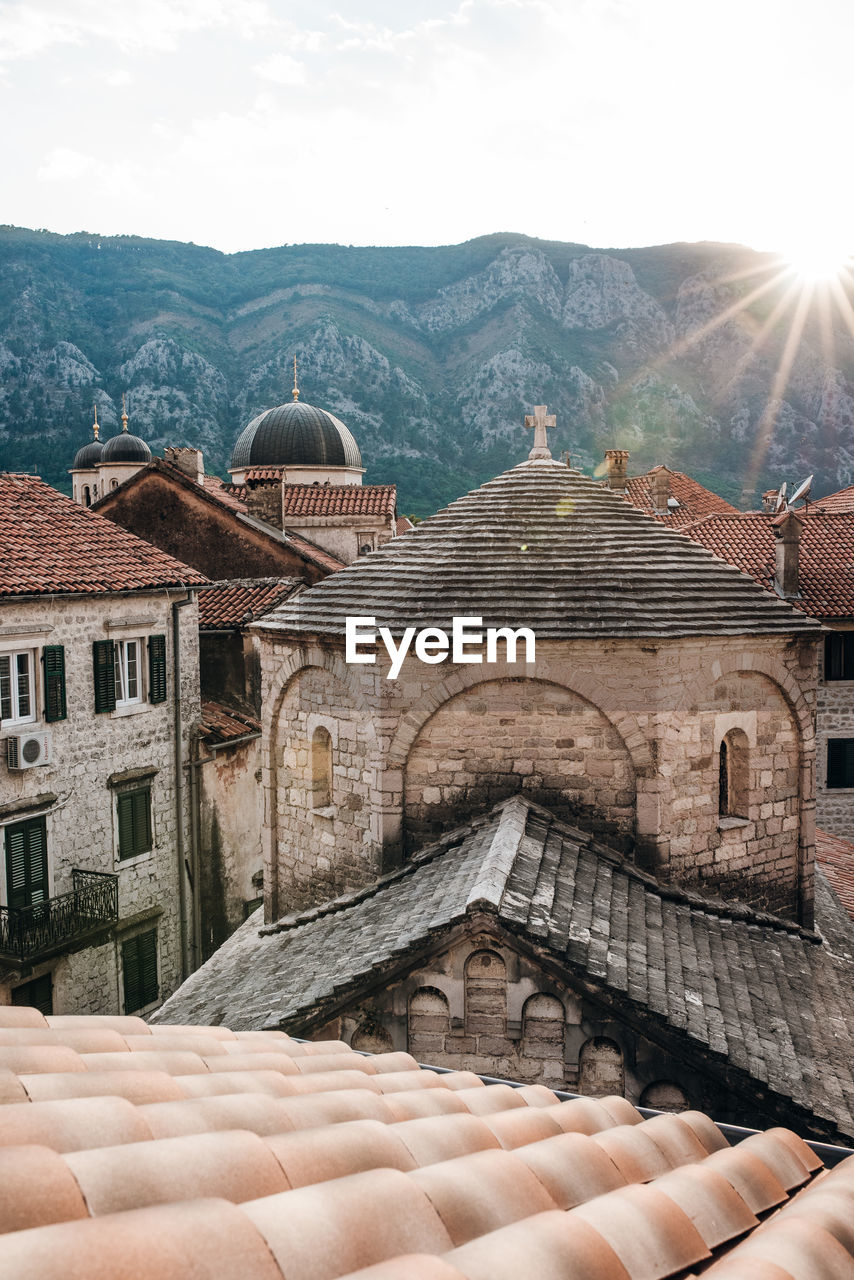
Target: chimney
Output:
{"points": [[660, 488], [188, 461], [616, 463], [787, 530], [769, 501], [264, 502]]}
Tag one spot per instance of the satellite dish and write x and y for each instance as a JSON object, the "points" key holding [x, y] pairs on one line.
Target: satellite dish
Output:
{"points": [[802, 490], [781, 496]]}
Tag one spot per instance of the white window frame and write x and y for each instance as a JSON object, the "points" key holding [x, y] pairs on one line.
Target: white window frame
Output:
{"points": [[121, 650], [32, 717]]}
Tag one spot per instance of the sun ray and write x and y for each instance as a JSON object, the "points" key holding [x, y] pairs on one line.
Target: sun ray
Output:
{"points": [[758, 339]]}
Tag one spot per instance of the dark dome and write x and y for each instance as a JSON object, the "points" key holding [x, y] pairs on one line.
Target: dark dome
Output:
{"points": [[297, 435], [88, 457], [126, 448]]}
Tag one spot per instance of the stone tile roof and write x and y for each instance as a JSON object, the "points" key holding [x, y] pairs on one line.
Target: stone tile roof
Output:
{"points": [[220, 724], [694, 501], [826, 573], [767, 1002], [237, 601], [842, 500], [50, 544], [835, 856], [545, 547], [338, 500], [157, 1153]]}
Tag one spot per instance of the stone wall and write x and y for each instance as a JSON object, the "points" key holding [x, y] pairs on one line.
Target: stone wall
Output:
{"points": [[74, 791], [229, 840], [834, 719]]}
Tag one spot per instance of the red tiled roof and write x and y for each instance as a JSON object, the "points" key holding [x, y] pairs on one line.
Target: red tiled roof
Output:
{"points": [[225, 1155], [237, 601], [403, 525], [226, 493], [746, 540], [694, 500], [842, 500], [835, 856], [264, 473], [338, 500], [48, 543], [221, 724]]}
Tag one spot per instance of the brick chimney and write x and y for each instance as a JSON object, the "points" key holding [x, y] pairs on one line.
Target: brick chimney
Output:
{"points": [[188, 461], [264, 502], [616, 463], [788, 527], [660, 487]]}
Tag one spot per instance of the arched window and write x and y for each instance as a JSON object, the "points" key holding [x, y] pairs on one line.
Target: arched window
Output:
{"points": [[486, 994], [114, 484], [370, 1037], [600, 1064], [429, 1023], [543, 1019], [664, 1095], [733, 775], [87, 496], [321, 768]]}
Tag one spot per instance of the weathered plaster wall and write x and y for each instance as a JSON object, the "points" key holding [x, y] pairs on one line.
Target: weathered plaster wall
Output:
{"points": [[229, 839], [87, 749]]}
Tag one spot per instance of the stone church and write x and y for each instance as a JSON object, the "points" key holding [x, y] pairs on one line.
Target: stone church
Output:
{"points": [[591, 865]]}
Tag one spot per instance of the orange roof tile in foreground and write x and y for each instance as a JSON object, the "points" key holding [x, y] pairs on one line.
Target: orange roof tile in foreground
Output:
{"points": [[344, 1175]]}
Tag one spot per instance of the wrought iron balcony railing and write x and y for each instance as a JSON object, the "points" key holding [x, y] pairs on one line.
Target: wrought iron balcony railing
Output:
{"points": [[31, 933]]}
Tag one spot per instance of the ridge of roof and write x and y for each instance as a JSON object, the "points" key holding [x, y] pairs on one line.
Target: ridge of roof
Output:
{"points": [[575, 559]]}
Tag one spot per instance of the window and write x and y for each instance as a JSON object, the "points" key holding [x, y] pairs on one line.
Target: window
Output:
{"points": [[734, 775], [839, 656], [26, 863], [134, 822], [126, 672], [139, 971], [321, 768], [17, 695], [38, 994], [840, 762]]}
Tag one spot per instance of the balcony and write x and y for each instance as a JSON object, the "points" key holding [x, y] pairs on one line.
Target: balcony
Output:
{"points": [[28, 934]]}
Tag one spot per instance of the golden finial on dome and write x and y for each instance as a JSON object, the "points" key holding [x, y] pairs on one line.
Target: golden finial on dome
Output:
{"points": [[124, 414], [296, 388], [95, 427]]}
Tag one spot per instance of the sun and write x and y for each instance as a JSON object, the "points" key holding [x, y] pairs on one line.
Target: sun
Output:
{"points": [[818, 257]]}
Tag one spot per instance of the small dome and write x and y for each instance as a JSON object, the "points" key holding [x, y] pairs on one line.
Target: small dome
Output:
{"points": [[88, 457], [296, 434], [126, 448]]}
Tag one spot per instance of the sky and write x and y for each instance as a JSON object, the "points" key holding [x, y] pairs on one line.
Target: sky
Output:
{"points": [[242, 124]]}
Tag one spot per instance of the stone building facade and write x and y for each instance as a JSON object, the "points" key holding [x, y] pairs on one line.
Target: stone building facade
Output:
{"points": [[95, 831]]}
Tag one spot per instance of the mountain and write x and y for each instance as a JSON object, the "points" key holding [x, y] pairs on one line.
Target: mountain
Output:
{"points": [[430, 355]]}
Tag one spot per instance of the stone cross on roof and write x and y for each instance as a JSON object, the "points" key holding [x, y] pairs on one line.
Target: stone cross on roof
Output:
{"points": [[540, 420]]}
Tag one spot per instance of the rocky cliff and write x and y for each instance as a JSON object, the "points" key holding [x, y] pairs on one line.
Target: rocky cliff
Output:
{"points": [[694, 355]]}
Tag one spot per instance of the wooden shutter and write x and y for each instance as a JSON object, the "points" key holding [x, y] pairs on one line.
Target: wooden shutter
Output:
{"points": [[130, 975], [156, 668], [139, 970], [26, 862], [53, 657], [104, 664], [148, 965], [840, 762], [134, 815]]}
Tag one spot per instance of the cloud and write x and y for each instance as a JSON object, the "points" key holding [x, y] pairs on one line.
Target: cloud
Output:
{"points": [[64, 164], [281, 68]]}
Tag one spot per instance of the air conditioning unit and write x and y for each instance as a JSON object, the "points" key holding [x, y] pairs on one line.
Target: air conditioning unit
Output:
{"points": [[29, 749]]}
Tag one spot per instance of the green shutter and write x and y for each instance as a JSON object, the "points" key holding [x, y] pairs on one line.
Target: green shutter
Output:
{"points": [[104, 663], [53, 658], [156, 668], [139, 970], [134, 815], [26, 862]]}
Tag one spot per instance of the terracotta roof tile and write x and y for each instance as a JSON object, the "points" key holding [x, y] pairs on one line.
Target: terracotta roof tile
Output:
{"points": [[337, 1183], [835, 856], [49, 544], [692, 500], [300, 500], [842, 500], [228, 494], [220, 724], [237, 601]]}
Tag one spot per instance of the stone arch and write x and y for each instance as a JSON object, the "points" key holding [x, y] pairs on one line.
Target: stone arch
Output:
{"points": [[496, 738], [428, 1023], [485, 994], [584, 686], [299, 664], [743, 664], [543, 1026], [665, 1095], [371, 1037], [600, 1068]]}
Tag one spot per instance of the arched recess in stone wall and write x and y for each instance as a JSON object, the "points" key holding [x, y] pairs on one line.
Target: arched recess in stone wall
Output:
{"points": [[428, 1023], [485, 994], [543, 1026], [370, 1037], [500, 737], [600, 1068], [665, 1095], [315, 689]]}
